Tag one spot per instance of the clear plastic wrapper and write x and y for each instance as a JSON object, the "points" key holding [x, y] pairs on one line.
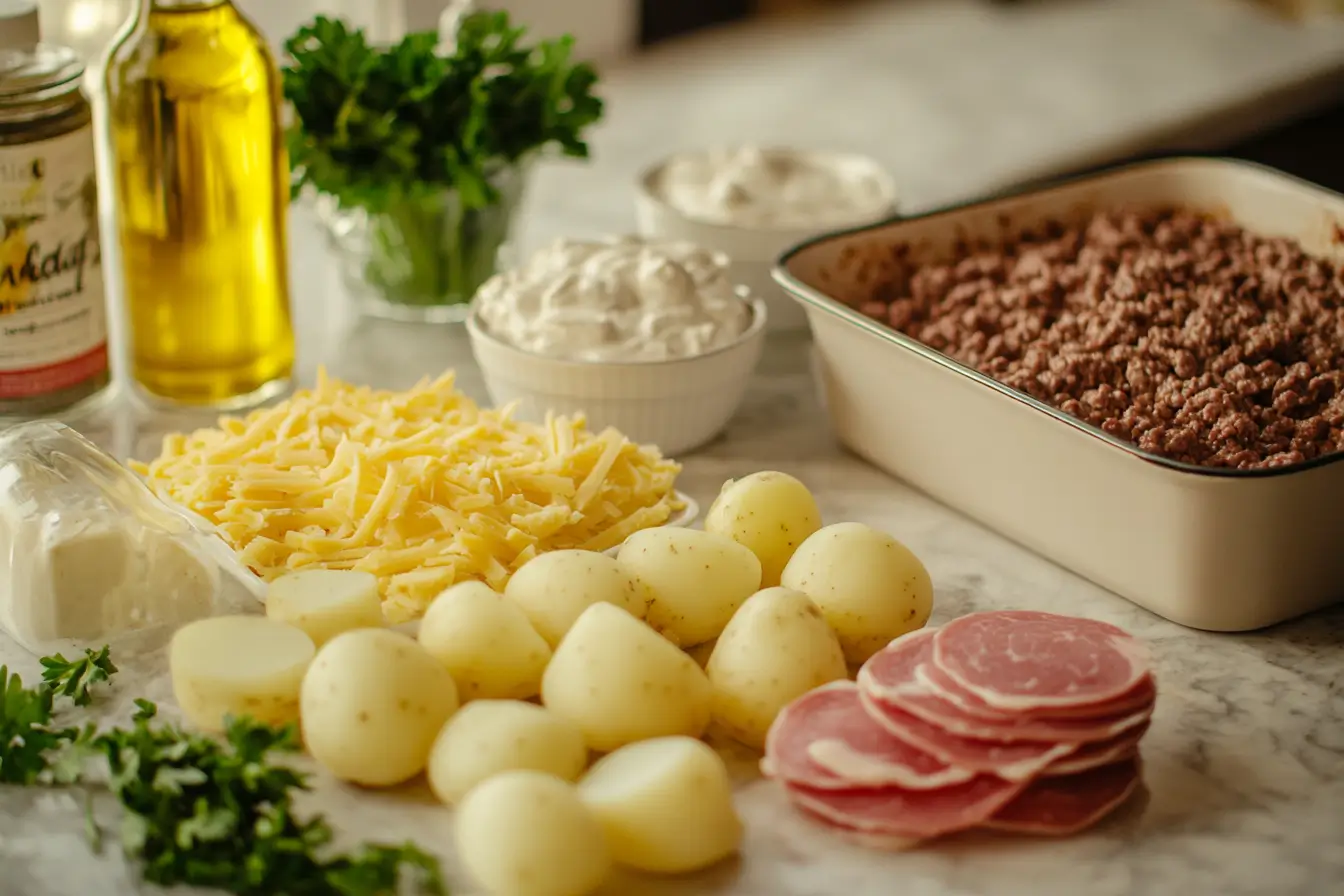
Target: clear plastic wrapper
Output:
{"points": [[91, 553]]}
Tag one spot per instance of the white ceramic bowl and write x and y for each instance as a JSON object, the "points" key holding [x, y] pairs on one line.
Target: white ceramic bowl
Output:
{"points": [[754, 250], [678, 405]]}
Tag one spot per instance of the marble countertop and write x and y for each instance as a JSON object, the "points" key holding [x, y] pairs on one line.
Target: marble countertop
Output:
{"points": [[1244, 763]]}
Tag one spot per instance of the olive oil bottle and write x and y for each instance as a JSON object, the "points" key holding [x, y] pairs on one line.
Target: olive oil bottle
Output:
{"points": [[198, 164]]}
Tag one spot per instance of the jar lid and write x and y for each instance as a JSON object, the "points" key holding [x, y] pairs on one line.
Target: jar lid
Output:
{"points": [[19, 25], [29, 68]]}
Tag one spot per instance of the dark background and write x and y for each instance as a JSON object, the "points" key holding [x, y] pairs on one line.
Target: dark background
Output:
{"points": [[1310, 148]]}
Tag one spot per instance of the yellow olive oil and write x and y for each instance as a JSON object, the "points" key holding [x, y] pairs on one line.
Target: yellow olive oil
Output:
{"points": [[202, 188]]}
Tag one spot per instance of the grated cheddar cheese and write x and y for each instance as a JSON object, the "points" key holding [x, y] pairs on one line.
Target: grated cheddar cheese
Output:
{"points": [[421, 488]]}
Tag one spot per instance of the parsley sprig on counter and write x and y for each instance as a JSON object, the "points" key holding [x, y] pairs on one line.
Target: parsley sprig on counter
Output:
{"points": [[74, 678], [196, 810], [33, 748], [27, 737]]}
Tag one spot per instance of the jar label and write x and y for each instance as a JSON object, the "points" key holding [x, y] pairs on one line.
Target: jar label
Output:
{"points": [[53, 317]]}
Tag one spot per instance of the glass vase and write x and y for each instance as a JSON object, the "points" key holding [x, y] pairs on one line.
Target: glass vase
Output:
{"points": [[422, 258]]}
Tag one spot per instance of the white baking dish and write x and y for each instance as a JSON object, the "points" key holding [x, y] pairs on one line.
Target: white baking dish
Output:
{"points": [[1225, 550]]}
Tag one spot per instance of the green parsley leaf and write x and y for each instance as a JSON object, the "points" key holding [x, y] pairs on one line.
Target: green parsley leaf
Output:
{"points": [[74, 678], [144, 710], [26, 732], [379, 870]]}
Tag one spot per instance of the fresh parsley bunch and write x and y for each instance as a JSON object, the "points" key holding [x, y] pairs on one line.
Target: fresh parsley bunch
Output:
{"points": [[33, 747], [196, 810], [378, 124], [222, 815]]}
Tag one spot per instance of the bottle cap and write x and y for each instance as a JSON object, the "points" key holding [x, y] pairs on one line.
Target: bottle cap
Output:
{"points": [[19, 26]]}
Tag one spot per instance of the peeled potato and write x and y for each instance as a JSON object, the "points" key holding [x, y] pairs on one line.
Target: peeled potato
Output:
{"points": [[770, 513], [666, 805], [371, 705], [526, 833], [492, 736], [486, 642], [776, 648], [325, 602], [238, 666], [869, 586], [620, 681], [698, 580], [556, 587]]}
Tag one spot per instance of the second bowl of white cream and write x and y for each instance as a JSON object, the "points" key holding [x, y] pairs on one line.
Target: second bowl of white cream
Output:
{"points": [[754, 203], [652, 338]]}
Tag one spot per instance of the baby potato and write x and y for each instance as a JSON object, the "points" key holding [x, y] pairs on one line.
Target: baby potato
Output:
{"points": [[698, 580], [485, 641], [768, 512], [868, 585], [238, 666], [371, 705], [776, 648], [326, 602], [556, 587], [620, 681], [526, 833], [492, 736], [666, 805]]}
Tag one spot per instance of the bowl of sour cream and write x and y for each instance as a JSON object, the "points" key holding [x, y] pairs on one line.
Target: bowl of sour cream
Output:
{"points": [[753, 203], [653, 338]]}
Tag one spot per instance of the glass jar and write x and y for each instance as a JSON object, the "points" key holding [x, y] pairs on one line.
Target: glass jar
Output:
{"points": [[422, 258], [53, 313]]}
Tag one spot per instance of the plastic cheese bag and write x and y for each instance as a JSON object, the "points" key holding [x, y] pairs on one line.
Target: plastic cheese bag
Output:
{"points": [[90, 553]]}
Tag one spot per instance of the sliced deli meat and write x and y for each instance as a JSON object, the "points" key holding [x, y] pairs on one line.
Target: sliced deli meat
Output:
{"points": [[898, 676], [913, 814], [1066, 805], [1021, 660], [946, 687], [920, 700], [1016, 721], [1019, 761], [826, 740]]}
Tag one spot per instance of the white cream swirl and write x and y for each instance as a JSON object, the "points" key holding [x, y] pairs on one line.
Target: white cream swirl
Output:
{"points": [[620, 299], [774, 188]]}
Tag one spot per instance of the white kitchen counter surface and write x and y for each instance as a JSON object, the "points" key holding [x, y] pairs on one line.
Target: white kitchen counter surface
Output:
{"points": [[1245, 759], [956, 97]]}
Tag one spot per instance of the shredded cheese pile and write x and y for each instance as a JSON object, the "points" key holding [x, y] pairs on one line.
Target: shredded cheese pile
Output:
{"points": [[421, 488]]}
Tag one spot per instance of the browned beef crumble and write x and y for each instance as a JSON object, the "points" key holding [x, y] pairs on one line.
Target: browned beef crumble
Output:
{"points": [[1188, 336]]}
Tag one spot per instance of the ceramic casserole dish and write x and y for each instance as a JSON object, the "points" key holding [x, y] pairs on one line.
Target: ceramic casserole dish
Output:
{"points": [[1210, 548]]}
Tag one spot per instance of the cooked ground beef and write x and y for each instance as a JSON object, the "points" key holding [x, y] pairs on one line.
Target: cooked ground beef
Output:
{"points": [[1188, 336]]}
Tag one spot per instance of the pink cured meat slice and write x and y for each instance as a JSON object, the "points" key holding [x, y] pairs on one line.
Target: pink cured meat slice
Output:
{"points": [[913, 814], [1023, 660], [827, 741], [895, 676], [1095, 755], [1067, 805], [1141, 697], [920, 700], [1012, 761]]}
